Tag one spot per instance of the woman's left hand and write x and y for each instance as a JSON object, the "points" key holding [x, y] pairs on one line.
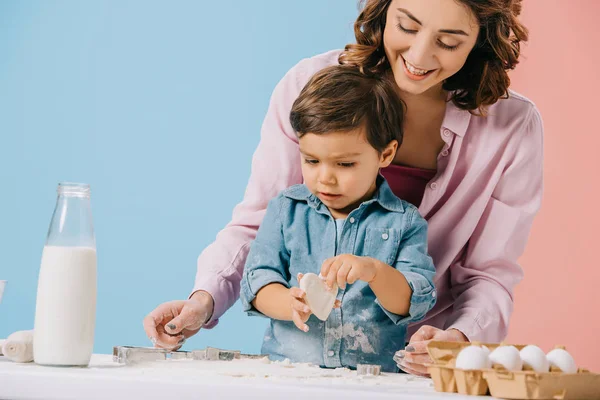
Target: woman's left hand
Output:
{"points": [[415, 355]]}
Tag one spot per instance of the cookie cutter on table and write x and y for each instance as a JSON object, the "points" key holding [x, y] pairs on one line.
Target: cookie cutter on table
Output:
{"points": [[132, 355], [368, 369]]}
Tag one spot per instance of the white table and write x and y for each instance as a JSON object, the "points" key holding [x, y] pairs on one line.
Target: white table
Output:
{"points": [[244, 379]]}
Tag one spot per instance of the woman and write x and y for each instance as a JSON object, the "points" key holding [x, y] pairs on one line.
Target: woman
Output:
{"points": [[471, 160]]}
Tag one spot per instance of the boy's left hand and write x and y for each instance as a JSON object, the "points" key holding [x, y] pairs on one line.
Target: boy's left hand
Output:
{"points": [[348, 268]]}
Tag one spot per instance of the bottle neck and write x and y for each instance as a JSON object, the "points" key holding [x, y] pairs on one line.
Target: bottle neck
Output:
{"points": [[69, 189], [71, 223]]}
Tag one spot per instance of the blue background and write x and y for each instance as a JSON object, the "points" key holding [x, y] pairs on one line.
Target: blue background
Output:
{"points": [[158, 105]]}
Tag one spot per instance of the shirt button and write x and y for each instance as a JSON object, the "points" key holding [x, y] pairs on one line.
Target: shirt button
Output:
{"points": [[446, 132], [445, 153], [330, 353], [385, 236], [433, 294], [352, 220], [433, 185]]}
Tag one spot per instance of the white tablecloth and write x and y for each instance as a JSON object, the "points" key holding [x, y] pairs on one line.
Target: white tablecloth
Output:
{"points": [[178, 380]]}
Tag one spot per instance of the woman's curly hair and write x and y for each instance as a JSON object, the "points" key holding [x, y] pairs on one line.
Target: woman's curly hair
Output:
{"points": [[484, 77]]}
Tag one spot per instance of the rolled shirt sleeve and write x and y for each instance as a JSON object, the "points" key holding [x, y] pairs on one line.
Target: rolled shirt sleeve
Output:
{"points": [[417, 267], [268, 258]]}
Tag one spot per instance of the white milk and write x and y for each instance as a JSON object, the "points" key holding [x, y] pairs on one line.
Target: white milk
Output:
{"points": [[65, 311]]}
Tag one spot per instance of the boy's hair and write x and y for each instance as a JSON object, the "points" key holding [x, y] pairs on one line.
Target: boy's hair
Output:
{"points": [[341, 98]]}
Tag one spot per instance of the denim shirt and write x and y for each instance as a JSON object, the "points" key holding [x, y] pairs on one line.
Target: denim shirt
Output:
{"points": [[298, 233]]}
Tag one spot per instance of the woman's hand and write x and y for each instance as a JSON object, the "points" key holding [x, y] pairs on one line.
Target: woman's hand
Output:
{"points": [[415, 356], [171, 323], [347, 269]]}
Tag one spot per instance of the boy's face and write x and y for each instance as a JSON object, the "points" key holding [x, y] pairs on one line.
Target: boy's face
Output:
{"points": [[341, 168]]}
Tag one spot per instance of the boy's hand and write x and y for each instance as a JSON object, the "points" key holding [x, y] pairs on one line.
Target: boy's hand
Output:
{"points": [[348, 268], [300, 310]]}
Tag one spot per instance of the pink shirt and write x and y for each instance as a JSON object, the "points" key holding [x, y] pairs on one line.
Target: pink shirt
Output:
{"points": [[479, 205]]}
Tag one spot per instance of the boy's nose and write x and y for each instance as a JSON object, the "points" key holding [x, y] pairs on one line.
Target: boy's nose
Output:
{"points": [[326, 176]]}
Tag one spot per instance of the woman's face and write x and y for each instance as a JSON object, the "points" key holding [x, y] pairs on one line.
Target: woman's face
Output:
{"points": [[427, 41]]}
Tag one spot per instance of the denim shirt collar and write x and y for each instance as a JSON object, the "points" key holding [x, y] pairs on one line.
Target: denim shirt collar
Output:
{"points": [[383, 195]]}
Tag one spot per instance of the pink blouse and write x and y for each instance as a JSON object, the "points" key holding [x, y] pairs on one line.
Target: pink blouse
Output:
{"points": [[479, 205]]}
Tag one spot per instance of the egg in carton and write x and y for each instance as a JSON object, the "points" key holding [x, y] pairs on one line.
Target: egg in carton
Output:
{"points": [[510, 372], [466, 378]]}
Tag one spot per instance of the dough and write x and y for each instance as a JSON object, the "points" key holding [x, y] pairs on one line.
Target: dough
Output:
{"points": [[319, 299], [18, 347]]}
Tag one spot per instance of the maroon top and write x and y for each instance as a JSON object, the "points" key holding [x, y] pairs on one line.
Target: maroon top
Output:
{"points": [[408, 183]]}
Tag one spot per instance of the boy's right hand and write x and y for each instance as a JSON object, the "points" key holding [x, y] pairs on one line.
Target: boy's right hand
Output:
{"points": [[300, 310]]}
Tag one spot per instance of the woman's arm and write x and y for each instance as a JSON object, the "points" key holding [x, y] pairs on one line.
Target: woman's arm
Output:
{"points": [[483, 281], [275, 166]]}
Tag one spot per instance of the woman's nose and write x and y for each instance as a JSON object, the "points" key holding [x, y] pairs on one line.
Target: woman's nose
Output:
{"points": [[420, 52]]}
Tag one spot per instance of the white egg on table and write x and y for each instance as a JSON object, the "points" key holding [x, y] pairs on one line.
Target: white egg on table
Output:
{"points": [[508, 357], [473, 358], [562, 360], [533, 357]]}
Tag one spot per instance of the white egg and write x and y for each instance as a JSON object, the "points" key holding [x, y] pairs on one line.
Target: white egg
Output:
{"points": [[508, 357], [562, 360], [473, 357], [535, 358], [487, 350]]}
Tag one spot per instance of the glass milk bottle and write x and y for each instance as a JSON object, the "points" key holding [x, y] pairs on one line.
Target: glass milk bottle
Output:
{"points": [[65, 311]]}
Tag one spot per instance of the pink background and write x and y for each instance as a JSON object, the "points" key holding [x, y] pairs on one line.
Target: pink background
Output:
{"points": [[559, 300]]}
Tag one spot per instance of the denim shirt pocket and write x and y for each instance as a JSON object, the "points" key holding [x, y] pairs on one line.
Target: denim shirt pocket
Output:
{"points": [[382, 244]]}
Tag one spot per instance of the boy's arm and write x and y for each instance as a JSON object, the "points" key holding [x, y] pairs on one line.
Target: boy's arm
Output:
{"points": [[417, 270], [391, 288], [266, 270], [273, 301]]}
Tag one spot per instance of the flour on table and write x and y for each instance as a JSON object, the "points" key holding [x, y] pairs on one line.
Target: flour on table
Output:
{"points": [[248, 369]]}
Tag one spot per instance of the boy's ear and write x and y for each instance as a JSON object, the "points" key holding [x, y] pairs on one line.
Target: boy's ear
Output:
{"points": [[388, 154]]}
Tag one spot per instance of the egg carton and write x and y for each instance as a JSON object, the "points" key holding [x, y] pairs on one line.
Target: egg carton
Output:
{"points": [[500, 383]]}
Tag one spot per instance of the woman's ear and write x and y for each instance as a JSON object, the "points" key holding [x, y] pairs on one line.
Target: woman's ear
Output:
{"points": [[388, 154]]}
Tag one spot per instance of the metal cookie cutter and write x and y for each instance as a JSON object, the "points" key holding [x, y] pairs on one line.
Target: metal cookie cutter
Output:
{"points": [[132, 355], [368, 369]]}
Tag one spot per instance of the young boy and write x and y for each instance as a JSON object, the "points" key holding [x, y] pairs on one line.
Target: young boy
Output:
{"points": [[345, 224]]}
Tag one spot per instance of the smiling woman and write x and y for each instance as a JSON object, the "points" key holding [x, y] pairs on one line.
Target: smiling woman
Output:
{"points": [[464, 46], [470, 160], [428, 49]]}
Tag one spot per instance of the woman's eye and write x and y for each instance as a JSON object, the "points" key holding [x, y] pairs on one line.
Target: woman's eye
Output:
{"points": [[446, 46], [409, 31]]}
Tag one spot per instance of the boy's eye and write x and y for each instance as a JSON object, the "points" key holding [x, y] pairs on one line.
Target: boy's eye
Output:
{"points": [[310, 161], [347, 164]]}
